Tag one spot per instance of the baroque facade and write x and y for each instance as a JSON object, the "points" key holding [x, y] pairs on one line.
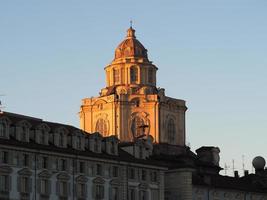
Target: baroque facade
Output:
{"points": [[131, 105]]}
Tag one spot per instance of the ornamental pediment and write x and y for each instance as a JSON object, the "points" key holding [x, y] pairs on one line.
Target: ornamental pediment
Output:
{"points": [[99, 180], [44, 174], [115, 182], [81, 179], [5, 170], [143, 185], [25, 172], [63, 176]]}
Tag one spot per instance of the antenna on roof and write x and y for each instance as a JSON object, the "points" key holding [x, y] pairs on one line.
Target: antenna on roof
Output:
{"points": [[243, 163], [226, 167], [233, 166]]}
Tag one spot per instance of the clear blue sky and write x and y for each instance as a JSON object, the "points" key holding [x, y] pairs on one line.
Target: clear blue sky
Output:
{"points": [[211, 53]]}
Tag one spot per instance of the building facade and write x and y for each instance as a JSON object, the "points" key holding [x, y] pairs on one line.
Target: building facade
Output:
{"points": [[43, 160], [131, 105]]}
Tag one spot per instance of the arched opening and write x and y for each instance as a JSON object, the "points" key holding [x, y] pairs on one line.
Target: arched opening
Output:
{"points": [[102, 127], [134, 74], [137, 126]]}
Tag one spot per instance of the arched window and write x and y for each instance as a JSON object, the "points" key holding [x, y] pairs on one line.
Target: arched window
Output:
{"points": [[150, 75], [42, 137], [61, 139], [171, 130], [134, 74], [137, 126], [102, 127], [116, 76]]}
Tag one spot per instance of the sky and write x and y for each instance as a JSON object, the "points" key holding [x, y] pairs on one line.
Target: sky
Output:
{"points": [[211, 53]]}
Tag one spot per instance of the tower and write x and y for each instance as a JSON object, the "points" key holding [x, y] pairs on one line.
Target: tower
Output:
{"points": [[131, 106]]}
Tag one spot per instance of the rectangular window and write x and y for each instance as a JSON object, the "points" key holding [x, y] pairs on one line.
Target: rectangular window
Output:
{"points": [[99, 192], [44, 162], [114, 193], [81, 167], [99, 169], [153, 176], [131, 194], [24, 185], [4, 183], [63, 188], [25, 160], [132, 173], [143, 175], [116, 76], [4, 157], [115, 171], [143, 195], [81, 190], [44, 186], [62, 165]]}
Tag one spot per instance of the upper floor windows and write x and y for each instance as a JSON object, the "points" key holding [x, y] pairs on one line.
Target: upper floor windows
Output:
{"points": [[3, 128], [134, 74], [4, 183]]}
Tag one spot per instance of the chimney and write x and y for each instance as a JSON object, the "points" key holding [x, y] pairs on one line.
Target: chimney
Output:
{"points": [[236, 174], [245, 172]]}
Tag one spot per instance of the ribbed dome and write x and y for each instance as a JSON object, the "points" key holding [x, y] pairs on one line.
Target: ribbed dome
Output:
{"points": [[130, 47]]}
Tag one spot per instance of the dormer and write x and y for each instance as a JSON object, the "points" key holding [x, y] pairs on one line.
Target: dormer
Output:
{"points": [[95, 141], [23, 131], [42, 134], [4, 127], [78, 140], [111, 145], [60, 137]]}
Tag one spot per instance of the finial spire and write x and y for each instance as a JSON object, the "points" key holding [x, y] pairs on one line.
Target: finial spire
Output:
{"points": [[131, 23]]}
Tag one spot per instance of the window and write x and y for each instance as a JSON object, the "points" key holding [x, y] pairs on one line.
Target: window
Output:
{"points": [[24, 134], [4, 157], [96, 146], [44, 186], [112, 147], [143, 175], [62, 165], [171, 130], [3, 129], [115, 171], [131, 194], [137, 126], [134, 74], [79, 142], [61, 139], [114, 193], [116, 76], [81, 190], [81, 167], [102, 127], [99, 192], [44, 162], [42, 137], [98, 169], [131, 173], [63, 188], [24, 184], [150, 75], [153, 176], [4, 183], [143, 195], [25, 160]]}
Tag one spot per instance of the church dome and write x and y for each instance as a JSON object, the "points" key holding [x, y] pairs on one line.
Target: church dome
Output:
{"points": [[130, 47]]}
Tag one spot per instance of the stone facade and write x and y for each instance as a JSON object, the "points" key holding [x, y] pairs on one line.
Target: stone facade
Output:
{"points": [[44, 160], [131, 105]]}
